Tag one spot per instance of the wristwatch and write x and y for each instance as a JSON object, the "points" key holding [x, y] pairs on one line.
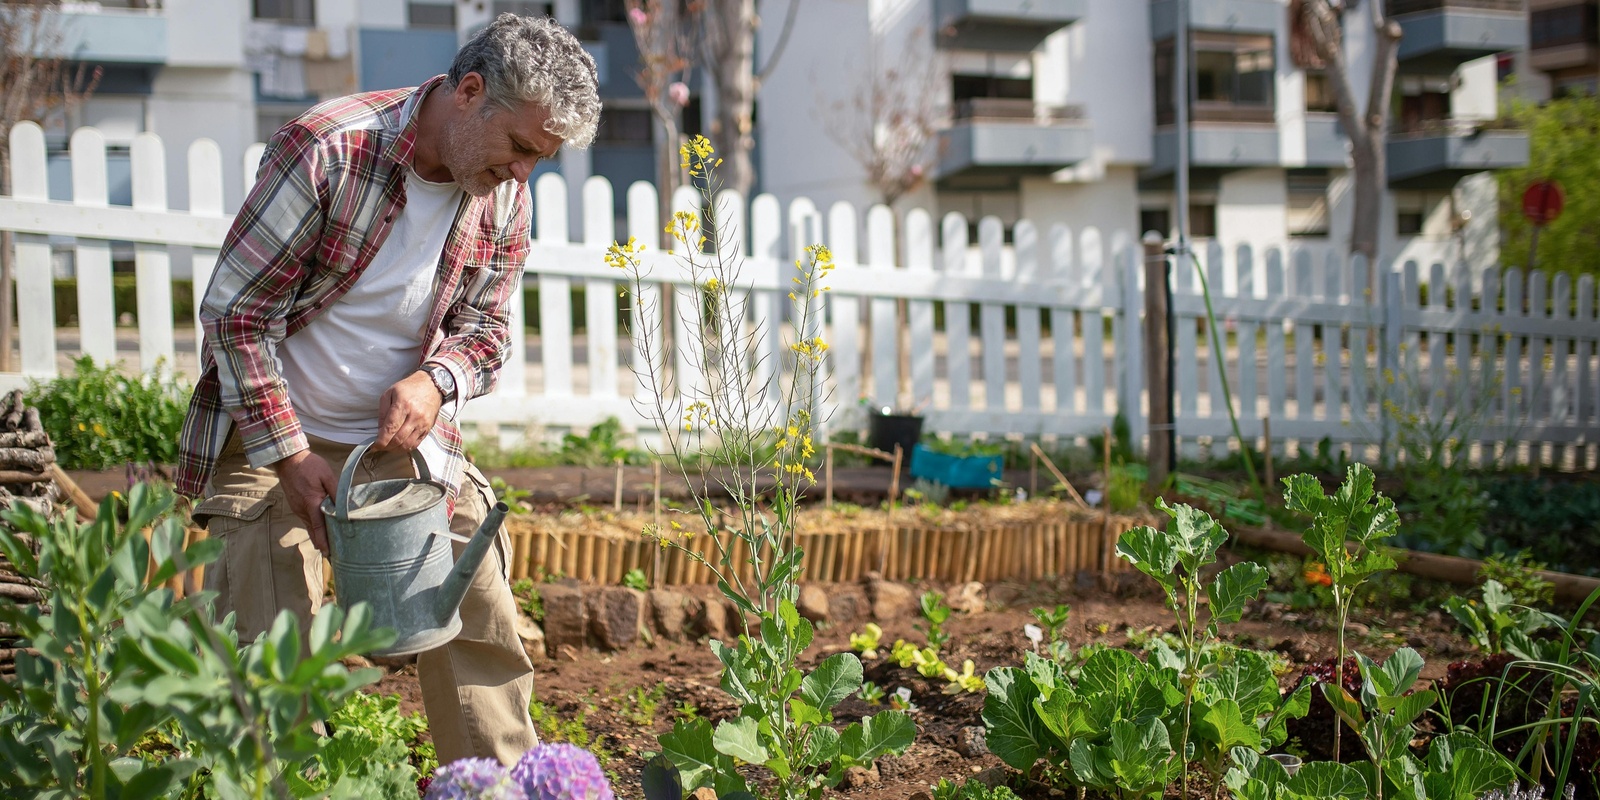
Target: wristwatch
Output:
{"points": [[442, 380]]}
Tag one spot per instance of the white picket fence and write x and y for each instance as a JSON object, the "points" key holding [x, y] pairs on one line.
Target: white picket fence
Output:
{"points": [[1056, 350]]}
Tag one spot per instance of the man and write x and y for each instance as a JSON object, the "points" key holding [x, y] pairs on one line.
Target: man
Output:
{"points": [[361, 293]]}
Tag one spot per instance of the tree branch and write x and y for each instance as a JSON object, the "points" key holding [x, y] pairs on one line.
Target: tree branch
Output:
{"points": [[1322, 22], [783, 40], [1386, 64]]}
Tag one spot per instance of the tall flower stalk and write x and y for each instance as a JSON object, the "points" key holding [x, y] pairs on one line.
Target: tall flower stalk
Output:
{"points": [[749, 423]]}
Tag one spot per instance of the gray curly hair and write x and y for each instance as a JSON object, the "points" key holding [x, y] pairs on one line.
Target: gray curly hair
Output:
{"points": [[534, 59]]}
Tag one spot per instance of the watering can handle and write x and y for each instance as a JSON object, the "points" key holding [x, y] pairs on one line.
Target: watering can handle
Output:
{"points": [[341, 502]]}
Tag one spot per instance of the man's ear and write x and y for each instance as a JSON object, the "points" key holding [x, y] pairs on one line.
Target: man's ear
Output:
{"points": [[469, 91]]}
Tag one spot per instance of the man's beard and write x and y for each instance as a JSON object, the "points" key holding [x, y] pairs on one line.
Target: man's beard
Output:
{"points": [[466, 156]]}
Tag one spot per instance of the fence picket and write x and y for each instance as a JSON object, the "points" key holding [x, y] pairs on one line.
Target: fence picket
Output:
{"points": [[766, 315], [97, 314], [151, 263], [1026, 237], [957, 322], [36, 317], [1305, 391], [555, 291], [1063, 322], [1091, 282], [919, 259], [1277, 401], [845, 346], [1583, 401], [883, 324], [992, 319], [1514, 398], [1186, 353], [1363, 294], [1217, 362], [600, 295], [644, 308], [1534, 393], [1436, 366], [205, 200], [1560, 348], [1330, 350], [1245, 289]]}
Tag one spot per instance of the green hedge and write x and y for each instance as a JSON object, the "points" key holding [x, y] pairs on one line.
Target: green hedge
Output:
{"points": [[126, 297]]}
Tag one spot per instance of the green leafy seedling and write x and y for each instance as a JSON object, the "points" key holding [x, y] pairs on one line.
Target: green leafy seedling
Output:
{"points": [[1346, 531]]}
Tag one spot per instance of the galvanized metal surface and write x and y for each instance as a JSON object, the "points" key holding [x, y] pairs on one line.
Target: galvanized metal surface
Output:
{"points": [[390, 544]]}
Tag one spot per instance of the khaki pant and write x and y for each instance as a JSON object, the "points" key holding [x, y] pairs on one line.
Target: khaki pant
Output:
{"points": [[475, 689]]}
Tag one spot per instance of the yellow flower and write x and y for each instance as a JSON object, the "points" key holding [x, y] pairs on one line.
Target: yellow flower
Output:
{"points": [[99, 430], [82, 427]]}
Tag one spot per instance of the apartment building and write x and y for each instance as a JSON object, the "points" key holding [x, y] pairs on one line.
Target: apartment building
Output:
{"points": [[233, 71], [1063, 110]]}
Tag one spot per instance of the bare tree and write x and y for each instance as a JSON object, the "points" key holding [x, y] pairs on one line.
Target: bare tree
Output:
{"points": [[34, 83], [1317, 39], [726, 32], [663, 38], [896, 110]]}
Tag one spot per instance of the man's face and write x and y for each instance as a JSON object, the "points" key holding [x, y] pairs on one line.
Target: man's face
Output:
{"points": [[485, 145]]}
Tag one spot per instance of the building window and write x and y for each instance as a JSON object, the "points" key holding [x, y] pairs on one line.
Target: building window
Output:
{"points": [[299, 12], [1408, 223], [430, 15], [1202, 220], [625, 127], [967, 87], [596, 12], [1412, 210], [1319, 93], [1155, 219], [1232, 79], [522, 8], [1557, 27], [1424, 102], [1308, 202]]}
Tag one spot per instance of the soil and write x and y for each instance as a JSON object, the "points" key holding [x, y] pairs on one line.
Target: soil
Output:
{"points": [[603, 689]]}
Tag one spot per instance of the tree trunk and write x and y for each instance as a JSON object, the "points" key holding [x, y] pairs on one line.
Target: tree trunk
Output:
{"points": [[733, 130], [1367, 157], [667, 162]]}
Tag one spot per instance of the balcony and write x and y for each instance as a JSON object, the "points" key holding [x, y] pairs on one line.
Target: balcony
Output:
{"points": [[1003, 25], [1441, 34], [992, 143], [100, 33], [1563, 35], [1227, 16], [1437, 155]]}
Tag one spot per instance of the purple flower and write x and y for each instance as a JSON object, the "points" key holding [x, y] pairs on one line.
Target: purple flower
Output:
{"points": [[473, 779], [561, 772]]}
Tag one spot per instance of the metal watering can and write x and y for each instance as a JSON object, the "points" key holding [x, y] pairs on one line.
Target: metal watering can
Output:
{"points": [[389, 541]]}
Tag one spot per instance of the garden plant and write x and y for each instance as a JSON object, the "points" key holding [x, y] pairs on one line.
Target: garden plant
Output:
{"points": [[754, 420]]}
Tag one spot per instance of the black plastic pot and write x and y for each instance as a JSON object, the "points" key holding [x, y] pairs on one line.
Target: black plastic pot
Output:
{"points": [[884, 431]]}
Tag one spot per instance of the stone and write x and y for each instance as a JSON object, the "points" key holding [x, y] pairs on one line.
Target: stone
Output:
{"points": [[704, 793], [615, 615], [970, 742], [566, 617], [891, 768], [844, 608], [992, 777], [532, 638], [920, 796], [891, 600], [711, 622], [1004, 594], [968, 598], [355, 662], [813, 603], [860, 777], [1357, 629], [669, 612]]}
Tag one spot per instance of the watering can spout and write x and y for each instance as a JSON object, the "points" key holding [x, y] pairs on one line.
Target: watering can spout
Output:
{"points": [[455, 586]]}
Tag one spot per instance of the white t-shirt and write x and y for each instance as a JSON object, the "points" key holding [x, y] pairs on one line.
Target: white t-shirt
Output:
{"points": [[338, 366]]}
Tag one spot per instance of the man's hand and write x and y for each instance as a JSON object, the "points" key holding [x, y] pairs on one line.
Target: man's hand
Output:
{"points": [[407, 412], [307, 479]]}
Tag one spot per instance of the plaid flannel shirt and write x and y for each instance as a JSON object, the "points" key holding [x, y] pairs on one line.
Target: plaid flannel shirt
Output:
{"points": [[326, 195]]}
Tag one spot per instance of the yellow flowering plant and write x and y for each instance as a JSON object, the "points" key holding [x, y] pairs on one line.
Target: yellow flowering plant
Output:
{"points": [[752, 417]]}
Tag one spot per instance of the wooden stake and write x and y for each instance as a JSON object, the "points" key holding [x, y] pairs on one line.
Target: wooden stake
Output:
{"points": [[74, 493], [656, 569], [1266, 433], [616, 502], [1033, 475], [1105, 525], [827, 478], [888, 521], [1039, 455]]}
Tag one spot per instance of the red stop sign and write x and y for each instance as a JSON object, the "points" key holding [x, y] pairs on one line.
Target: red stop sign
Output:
{"points": [[1542, 202]]}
